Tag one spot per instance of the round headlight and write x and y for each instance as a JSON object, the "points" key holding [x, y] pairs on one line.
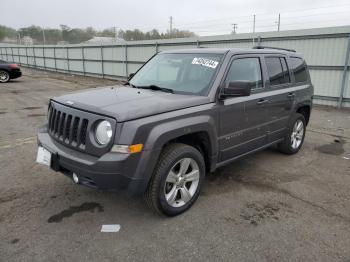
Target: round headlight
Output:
{"points": [[104, 132]]}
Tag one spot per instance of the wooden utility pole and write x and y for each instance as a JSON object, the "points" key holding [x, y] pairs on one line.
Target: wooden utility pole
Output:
{"points": [[170, 25]]}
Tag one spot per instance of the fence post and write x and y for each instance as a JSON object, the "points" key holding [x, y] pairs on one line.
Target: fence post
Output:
{"points": [[102, 65], [68, 68], [126, 61], [83, 57], [156, 47], [54, 57], [44, 57], [6, 54], [26, 47], [345, 72], [35, 65], [198, 46], [13, 59]]}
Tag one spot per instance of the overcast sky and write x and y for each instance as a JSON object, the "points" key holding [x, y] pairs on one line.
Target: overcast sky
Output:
{"points": [[205, 17]]}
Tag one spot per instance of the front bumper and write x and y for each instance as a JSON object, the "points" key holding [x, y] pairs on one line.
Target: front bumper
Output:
{"points": [[110, 171]]}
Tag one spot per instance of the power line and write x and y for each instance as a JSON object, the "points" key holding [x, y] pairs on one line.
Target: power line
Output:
{"points": [[282, 12]]}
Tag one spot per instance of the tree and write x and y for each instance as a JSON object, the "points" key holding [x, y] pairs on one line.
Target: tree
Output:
{"points": [[53, 36], [65, 31], [35, 32], [7, 32], [77, 35]]}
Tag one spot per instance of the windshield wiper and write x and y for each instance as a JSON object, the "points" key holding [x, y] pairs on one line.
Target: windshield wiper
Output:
{"points": [[127, 83], [155, 87]]}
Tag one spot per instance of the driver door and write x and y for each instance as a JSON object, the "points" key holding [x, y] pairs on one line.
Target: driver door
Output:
{"points": [[243, 120]]}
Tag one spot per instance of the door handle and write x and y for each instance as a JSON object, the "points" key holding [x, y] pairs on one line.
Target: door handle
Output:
{"points": [[262, 101], [291, 95]]}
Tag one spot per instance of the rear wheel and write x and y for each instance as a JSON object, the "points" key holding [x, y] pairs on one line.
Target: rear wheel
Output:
{"points": [[294, 139], [177, 180], [4, 76]]}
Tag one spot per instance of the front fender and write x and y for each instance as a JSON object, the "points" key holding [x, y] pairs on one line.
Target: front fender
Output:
{"points": [[164, 132]]}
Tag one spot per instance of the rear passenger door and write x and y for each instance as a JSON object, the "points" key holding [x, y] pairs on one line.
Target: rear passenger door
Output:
{"points": [[243, 120], [280, 95]]}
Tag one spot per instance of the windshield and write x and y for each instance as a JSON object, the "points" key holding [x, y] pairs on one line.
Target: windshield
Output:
{"points": [[183, 73]]}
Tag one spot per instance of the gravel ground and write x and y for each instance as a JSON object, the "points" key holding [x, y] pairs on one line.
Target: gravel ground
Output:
{"points": [[266, 207]]}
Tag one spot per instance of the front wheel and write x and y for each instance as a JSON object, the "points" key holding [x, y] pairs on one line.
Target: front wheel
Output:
{"points": [[4, 76], [177, 180], [294, 139]]}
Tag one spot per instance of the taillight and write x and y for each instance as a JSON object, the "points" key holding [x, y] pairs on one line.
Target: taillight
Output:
{"points": [[13, 66]]}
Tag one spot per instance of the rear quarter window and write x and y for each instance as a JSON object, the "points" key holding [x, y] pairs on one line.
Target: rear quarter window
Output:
{"points": [[299, 69], [277, 70]]}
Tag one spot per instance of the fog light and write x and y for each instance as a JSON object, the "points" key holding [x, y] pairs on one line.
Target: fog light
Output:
{"points": [[75, 178]]}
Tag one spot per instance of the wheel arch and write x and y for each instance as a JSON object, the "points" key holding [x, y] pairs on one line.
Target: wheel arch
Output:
{"points": [[198, 131], [304, 110]]}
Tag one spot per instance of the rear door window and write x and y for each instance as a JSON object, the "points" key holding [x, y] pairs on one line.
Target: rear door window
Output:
{"points": [[277, 70], [298, 67]]}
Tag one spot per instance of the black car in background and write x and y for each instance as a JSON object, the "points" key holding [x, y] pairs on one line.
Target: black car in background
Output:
{"points": [[9, 71]]}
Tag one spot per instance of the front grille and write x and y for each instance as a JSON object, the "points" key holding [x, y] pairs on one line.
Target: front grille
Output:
{"points": [[74, 128], [68, 128]]}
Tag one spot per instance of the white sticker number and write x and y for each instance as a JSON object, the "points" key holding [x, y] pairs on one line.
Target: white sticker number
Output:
{"points": [[205, 62]]}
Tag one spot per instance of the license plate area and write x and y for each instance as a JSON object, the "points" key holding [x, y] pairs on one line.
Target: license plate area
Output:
{"points": [[43, 156]]}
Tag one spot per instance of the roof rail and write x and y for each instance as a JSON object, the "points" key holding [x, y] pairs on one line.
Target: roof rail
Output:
{"points": [[270, 47]]}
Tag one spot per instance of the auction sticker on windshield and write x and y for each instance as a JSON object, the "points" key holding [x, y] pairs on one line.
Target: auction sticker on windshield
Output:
{"points": [[205, 62]]}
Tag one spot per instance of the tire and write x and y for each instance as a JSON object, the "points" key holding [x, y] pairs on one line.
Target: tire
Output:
{"points": [[171, 190], [294, 138], [4, 76]]}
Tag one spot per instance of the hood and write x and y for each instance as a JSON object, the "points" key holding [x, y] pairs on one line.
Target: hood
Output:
{"points": [[126, 103]]}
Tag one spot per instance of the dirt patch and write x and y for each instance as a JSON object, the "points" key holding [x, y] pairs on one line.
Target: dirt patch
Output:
{"points": [[88, 206], [35, 115], [255, 213], [334, 148], [10, 195], [31, 108], [14, 241]]}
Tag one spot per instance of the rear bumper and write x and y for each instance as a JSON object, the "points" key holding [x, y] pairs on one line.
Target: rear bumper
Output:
{"points": [[110, 171], [15, 74]]}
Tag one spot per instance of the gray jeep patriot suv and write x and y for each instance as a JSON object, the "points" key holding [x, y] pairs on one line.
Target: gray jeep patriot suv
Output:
{"points": [[181, 115]]}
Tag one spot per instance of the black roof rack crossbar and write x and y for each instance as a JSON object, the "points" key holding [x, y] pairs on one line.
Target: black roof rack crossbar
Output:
{"points": [[270, 47]]}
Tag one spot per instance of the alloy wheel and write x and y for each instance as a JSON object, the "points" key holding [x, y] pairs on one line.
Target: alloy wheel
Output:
{"points": [[4, 76], [182, 182], [297, 134]]}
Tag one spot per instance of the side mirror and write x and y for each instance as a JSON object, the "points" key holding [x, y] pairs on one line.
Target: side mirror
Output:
{"points": [[237, 88], [131, 76]]}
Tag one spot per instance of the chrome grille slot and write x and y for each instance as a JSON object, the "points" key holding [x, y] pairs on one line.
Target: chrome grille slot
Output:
{"points": [[83, 131], [61, 125], [67, 129], [75, 130]]}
